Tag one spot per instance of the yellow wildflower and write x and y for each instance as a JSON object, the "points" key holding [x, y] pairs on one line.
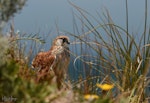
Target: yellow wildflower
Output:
{"points": [[91, 96], [105, 87]]}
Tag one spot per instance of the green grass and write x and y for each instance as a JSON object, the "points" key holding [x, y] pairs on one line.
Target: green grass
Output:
{"points": [[123, 62]]}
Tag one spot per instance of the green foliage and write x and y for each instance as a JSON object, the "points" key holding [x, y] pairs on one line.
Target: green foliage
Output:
{"points": [[103, 100], [4, 45], [9, 7], [26, 91]]}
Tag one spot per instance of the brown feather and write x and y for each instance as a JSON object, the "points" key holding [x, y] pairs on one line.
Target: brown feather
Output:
{"points": [[55, 60], [43, 59]]}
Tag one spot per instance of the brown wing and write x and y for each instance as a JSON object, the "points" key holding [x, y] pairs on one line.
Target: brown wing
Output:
{"points": [[43, 60]]}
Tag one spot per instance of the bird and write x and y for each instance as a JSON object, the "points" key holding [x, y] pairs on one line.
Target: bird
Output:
{"points": [[53, 62]]}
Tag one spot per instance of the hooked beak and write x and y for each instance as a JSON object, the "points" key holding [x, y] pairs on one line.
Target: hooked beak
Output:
{"points": [[68, 42]]}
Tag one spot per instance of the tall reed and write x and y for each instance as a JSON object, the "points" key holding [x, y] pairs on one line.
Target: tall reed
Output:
{"points": [[109, 58]]}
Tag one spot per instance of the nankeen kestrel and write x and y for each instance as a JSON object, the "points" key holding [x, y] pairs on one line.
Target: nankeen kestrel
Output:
{"points": [[56, 59]]}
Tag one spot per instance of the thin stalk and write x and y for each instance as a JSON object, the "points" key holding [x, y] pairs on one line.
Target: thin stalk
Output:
{"points": [[145, 24], [127, 22]]}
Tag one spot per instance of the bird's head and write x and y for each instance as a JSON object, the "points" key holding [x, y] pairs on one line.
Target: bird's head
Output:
{"points": [[61, 41]]}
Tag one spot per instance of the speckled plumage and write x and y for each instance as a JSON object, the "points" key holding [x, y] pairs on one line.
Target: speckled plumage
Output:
{"points": [[56, 59]]}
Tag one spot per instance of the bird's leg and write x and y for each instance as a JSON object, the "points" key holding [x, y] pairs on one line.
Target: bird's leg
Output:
{"points": [[66, 82]]}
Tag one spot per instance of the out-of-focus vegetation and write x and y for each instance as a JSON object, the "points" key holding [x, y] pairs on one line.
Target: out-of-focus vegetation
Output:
{"points": [[9, 7], [112, 70]]}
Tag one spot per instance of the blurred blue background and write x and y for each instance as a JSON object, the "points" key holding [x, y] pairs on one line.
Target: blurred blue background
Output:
{"points": [[42, 16]]}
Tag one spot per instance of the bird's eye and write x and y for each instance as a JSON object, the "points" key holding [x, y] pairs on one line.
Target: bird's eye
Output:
{"points": [[65, 40]]}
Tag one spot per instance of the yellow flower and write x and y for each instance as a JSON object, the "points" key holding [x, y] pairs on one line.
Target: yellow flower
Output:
{"points": [[91, 96], [105, 87]]}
